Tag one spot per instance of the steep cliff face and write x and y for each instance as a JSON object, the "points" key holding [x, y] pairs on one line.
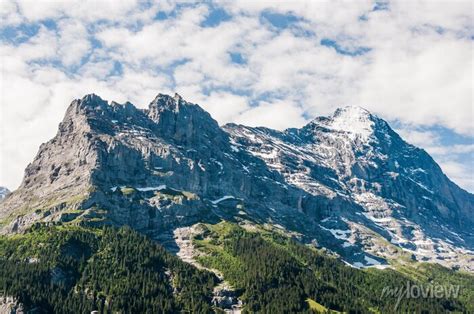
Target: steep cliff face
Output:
{"points": [[59, 175], [151, 169], [402, 194], [347, 182]]}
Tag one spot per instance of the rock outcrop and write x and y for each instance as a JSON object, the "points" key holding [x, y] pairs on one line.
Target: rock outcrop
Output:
{"points": [[346, 182]]}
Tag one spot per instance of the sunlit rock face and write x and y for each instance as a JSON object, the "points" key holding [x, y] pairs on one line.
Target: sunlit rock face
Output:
{"points": [[346, 182]]}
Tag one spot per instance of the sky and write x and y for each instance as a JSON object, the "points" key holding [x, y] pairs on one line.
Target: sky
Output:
{"points": [[261, 63]]}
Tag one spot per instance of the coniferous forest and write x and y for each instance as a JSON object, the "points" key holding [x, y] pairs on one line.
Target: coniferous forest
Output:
{"points": [[276, 273], [109, 270], [65, 269]]}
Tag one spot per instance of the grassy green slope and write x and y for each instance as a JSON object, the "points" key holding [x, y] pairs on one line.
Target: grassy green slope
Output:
{"points": [[277, 274]]}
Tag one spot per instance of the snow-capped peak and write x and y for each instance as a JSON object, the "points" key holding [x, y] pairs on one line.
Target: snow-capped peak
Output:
{"points": [[354, 111], [354, 120]]}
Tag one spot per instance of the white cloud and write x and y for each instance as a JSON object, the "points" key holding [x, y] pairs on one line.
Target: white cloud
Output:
{"points": [[86, 10], [277, 115], [425, 87], [9, 13], [418, 71], [419, 138], [419, 68], [451, 149], [43, 46], [224, 107], [73, 42], [460, 173]]}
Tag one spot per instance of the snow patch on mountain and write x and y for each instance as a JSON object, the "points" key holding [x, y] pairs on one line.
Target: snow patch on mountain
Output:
{"points": [[384, 196], [3, 192], [227, 197], [355, 156], [354, 120]]}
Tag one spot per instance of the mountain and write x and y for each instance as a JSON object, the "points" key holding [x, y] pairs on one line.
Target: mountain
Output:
{"points": [[396, 190], [3, 192], [347, 183]]}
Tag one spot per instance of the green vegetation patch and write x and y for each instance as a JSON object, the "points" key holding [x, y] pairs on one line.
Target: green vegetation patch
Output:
{"points": [[276, 274], [44, 207], [316, 307], [75, 269], [71, 269], [127, 190]]}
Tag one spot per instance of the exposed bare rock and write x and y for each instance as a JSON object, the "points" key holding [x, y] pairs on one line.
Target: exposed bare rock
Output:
{"points": [[347, 182], [10, 305]]}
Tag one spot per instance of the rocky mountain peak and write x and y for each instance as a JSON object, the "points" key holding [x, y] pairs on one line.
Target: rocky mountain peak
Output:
{"points": [[346, 116], [92, 99], [163, 102], [353, 120], [352, 110], [339, 180], [91, 102], [87, 106], [185, 122], [177, 97]]}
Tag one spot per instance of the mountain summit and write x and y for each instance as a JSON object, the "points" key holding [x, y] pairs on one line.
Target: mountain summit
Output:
{"points": [[346, 182], [354, 120]]}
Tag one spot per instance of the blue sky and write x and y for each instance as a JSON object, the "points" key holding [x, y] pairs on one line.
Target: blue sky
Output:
{"points": [[277, 64]]}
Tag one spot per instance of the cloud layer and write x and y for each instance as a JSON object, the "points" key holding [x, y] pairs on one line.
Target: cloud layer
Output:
{"points": [[264, 63]]}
